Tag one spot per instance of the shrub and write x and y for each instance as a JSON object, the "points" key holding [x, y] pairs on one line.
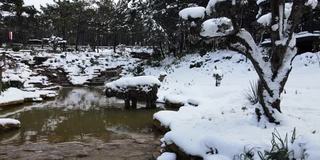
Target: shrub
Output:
{"points": [[279, 149], [252, 94]]}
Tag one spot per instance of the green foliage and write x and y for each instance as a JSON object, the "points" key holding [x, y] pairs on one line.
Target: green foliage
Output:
{"points": [[3, 86], [247, 155], [279, 149], [252, 94]]}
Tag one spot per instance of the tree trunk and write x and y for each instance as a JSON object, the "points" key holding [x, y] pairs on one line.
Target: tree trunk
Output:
{"points": [[270, 89]]}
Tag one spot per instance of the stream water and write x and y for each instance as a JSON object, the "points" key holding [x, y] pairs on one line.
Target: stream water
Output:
{"points": [[79, 123]]}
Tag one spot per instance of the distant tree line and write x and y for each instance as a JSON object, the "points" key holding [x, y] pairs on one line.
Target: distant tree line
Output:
{"points": [[130, 22]]}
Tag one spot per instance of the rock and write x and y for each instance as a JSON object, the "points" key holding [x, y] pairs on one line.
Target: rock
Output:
{"points": [[196, 65], [172, 104], [11, 103], [134, 89], [193, 102], [161, 128], [39, 60], [173, 101], [15, 83], [9, 124], [141, 55], [162, 76], [82, 154], [180, 153]]}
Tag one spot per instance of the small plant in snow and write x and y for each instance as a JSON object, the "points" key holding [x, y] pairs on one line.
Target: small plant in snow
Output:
{"points": [[217, 74], [252, 93], [248, 154], [280, 148]]}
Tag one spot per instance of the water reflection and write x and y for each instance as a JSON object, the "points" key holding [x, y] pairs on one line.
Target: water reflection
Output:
{"points": [[77, 114], [83, 99]]}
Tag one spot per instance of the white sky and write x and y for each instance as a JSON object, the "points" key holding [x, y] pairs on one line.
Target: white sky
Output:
{"points": [[37, 3]]}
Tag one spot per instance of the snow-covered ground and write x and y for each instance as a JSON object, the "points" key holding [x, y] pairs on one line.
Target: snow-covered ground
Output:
{"points": [[78, 66], [18, 95], [82, 66], [224, 121], [25, 81]]}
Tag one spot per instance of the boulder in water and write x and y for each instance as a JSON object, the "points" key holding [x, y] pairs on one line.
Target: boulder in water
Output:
{"points": [[9, 124]]}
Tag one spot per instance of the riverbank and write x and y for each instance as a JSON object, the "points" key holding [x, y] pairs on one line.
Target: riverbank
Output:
{"points": [[140, 147], [14, 96]]}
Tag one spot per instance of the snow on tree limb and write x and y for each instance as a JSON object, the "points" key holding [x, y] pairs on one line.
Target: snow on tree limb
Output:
{"points": [[216, 27], [265, 19], [260, 1], [192, 12], [312, 3], [273, 66]]}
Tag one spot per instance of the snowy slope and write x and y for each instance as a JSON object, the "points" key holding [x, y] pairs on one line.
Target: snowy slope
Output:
{"points": [[224, 120], [84, 66]]}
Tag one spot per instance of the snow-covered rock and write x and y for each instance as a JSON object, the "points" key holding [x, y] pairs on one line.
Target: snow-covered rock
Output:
{"points": [[83, 66], [125, 83], [13, 96], [134, 89], [167, 156], [8, 124]]}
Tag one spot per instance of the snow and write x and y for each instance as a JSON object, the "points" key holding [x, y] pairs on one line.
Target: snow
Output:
{"points": [[15, 94], [126, 82], [265, 20], [81, 66], [192, 12], [297, 35], [6, 13], [224, 120], [6, 121], [260, 1], [312, 3], [167, 156], [211, 6], [216, 27], [38, 3], [176, 99]]}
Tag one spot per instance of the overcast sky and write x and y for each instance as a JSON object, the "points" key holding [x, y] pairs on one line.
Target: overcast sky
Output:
{"points": [[37, 3]]}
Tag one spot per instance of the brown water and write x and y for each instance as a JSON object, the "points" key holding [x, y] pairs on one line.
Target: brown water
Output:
{"points": [[81, 115]]}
